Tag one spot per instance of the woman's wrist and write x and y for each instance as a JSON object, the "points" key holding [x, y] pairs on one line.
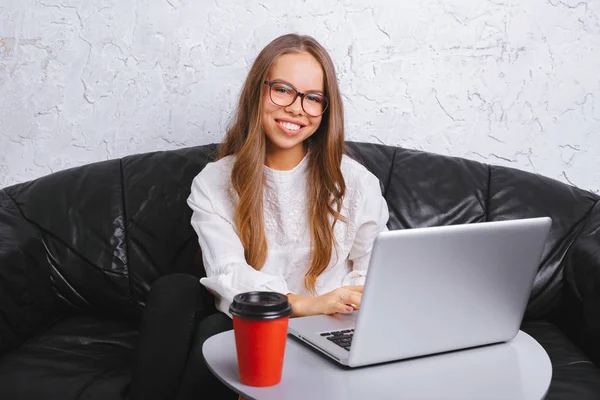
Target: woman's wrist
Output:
{"points": [[301, 305]]}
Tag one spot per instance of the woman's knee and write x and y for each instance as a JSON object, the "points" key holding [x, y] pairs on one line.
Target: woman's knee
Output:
{"points": [[213, 324], [175, 283], [181, 290]]}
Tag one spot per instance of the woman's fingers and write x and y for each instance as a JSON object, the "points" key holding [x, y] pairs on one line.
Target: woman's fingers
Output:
{"points": [[342, 308], [353, 299], [343, 300]]}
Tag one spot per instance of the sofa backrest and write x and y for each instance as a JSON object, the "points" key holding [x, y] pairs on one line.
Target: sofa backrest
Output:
{"points": [[160, 237], [27, 301], [425, 189], [79, 216], [111, 228]]}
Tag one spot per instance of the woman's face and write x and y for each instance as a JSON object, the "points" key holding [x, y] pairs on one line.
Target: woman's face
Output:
{"points": [[287, 127]]}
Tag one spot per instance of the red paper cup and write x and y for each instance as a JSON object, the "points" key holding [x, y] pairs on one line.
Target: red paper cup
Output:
{"points": [[260, 324]]}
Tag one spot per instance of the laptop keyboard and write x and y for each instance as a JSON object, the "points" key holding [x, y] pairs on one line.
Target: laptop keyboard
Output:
{"points": [[342, 338]]}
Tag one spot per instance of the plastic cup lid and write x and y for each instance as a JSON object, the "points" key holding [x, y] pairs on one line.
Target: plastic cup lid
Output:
{"points": [[260, 305]]}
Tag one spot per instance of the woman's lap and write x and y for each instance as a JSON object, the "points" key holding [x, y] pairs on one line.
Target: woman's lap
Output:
{"points": [[174, 326]]}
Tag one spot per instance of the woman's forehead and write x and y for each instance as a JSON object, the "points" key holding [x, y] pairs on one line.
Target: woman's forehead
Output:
{"points": [[300, 69]]}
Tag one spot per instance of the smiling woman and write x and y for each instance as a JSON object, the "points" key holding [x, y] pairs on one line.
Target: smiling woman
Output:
{"points": [[290, 117], [283, 208]]}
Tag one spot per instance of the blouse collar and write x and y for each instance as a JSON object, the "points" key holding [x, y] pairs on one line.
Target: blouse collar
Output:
{"points": [[279, 176]]}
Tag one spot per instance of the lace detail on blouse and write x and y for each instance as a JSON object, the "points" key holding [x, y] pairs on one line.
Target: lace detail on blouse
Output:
{"points": [[285, 214]]}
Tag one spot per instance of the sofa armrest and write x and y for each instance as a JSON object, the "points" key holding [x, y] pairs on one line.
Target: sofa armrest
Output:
{"points": [[27, 300], [582, 279]]}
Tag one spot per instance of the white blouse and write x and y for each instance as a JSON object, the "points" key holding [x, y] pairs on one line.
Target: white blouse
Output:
{"points": [[287, 231]]}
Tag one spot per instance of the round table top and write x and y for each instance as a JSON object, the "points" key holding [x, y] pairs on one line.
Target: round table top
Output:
{"points": [[518, 369]]}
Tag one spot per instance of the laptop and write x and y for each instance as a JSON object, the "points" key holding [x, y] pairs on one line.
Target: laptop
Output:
{"points": [[433, 290]]}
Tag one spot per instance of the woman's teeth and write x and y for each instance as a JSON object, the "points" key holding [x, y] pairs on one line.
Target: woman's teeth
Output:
{"points": [[290, 126]]}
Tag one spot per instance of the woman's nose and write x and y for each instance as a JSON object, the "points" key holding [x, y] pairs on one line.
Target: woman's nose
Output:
{"points": [[296, 106]]}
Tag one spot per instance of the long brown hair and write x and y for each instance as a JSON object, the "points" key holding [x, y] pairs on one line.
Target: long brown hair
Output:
{"points": [[246, 139]]}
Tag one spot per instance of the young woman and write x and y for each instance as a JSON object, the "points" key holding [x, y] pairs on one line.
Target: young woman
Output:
{"points": [[283, 209]]}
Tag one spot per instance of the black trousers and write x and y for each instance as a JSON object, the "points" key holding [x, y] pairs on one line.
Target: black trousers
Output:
{"points": [[169, 364]]}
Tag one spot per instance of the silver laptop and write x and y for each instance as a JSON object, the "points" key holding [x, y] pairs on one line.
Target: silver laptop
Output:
{"points": [[435, 289]]}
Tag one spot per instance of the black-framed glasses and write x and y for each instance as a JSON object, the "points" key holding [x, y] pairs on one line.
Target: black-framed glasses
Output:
{"points": [[284, 95]]}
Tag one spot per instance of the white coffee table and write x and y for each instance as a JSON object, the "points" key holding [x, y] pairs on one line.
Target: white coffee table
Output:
{"points": [[519, 369]]}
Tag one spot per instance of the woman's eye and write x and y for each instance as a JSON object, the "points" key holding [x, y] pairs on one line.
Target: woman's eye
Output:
{"points": [[314, 99], [282, 90]]}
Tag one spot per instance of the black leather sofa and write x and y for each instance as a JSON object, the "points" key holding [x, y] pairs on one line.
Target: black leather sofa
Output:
{"points": [[80, 249]]}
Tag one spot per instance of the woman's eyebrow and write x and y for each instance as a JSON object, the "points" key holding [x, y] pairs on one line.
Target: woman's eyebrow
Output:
{"points": [[290, 84]]}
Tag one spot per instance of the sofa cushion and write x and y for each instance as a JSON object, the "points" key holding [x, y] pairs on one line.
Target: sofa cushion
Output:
{"points": [[519, 194], [160, 238], [377, 158], [582, 281], [27, 302], [427, 189], [77, 358], [78, 214], [574, 376]]}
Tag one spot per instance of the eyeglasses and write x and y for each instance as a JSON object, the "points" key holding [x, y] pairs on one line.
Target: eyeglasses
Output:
{"points": [[284, 95]]}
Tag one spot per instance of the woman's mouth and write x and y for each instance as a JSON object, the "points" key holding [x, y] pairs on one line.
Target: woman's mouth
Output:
{"points": [[289, 128]]}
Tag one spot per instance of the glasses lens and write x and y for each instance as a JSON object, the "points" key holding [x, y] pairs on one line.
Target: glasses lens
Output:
{"points": [[314, 104], [282, 94]]}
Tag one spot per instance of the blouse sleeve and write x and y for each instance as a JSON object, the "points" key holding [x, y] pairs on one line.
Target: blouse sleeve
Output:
{"points": [[227, 272], [372, 218]]}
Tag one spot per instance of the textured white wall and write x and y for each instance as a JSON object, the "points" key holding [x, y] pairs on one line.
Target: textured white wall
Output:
{"points": [[513, 82]]}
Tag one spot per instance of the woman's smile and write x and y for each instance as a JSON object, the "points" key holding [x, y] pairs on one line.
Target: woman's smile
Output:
{"points": [[288, 127]]}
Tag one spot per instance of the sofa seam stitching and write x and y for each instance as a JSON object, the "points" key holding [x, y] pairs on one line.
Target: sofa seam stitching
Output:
{"points": [[87, 384], [389, 179], [126, 232], [486, 205]]}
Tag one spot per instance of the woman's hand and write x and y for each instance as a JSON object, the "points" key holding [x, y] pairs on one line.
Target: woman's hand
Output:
{"points": [[342, 300]]}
